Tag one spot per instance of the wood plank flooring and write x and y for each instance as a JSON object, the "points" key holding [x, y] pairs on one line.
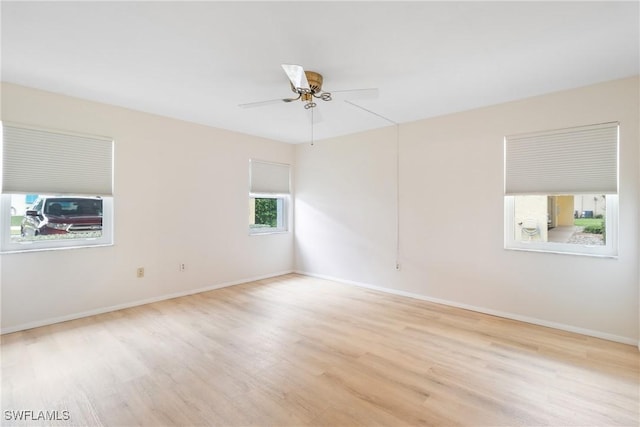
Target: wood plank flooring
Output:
{"points": [[299, 351]]}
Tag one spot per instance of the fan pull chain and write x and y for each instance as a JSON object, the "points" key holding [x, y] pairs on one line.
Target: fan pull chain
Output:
{"points": [[312, 127]]}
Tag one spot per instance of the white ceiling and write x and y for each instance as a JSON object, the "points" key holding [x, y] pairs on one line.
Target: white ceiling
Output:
{"points": [[197, 61]]}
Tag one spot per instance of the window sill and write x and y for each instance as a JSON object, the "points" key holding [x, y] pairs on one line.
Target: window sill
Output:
{"points": [[58, 248], [561, 252], [262, 233]]}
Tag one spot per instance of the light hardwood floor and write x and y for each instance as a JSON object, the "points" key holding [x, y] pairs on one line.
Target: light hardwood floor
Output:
{"points": [[297, 351]]}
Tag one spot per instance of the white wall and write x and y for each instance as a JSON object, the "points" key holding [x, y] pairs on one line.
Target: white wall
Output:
{"points": [[181, 195], [451, 214]]}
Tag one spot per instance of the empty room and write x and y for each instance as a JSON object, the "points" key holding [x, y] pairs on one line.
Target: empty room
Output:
{"points": [[320, 213]]}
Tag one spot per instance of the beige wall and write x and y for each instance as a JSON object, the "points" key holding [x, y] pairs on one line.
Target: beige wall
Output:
{"points": [[346, 214], [181, 196]]}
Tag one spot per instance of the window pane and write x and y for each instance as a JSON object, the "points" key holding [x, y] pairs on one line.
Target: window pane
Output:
{"points": [[573, 219], [266, 214], [55, 217]]}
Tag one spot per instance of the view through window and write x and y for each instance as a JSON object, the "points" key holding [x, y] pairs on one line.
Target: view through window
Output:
{"points": [[45, 217], [573, 219], [266, 214]]}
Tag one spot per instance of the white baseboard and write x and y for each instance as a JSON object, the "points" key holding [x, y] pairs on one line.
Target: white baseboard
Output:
{"points": [[506, 315], [51, 321]]}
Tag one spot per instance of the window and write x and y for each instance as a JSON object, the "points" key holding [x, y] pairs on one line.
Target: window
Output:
{"points": [[561, 190], [56, 189], [269, 188], [266, 214]]}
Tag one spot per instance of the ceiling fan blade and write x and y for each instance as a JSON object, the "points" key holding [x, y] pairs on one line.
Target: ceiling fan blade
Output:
{"points": [[296, 75], [368, 93], [269, 102]]}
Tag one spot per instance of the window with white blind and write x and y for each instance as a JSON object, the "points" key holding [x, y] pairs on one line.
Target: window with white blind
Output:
{"points": [[57, 189], [561, 190], [269, 189]]}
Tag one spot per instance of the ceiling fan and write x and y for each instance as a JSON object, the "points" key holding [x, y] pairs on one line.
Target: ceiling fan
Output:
{"points": [[307, 85]]}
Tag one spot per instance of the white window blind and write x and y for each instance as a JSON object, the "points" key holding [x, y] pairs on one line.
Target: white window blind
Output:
{"points": [[52, 162], [268, 178], [565, 161]]}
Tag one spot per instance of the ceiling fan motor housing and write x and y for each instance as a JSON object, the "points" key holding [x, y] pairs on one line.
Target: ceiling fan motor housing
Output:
{"points": [[315, 82]]}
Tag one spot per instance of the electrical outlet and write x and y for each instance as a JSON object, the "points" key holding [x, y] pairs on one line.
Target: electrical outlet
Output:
{"points": [[182, 267], [140, 272]]}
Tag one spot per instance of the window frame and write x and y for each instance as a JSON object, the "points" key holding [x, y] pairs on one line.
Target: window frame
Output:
{"points": [[65, 163], [271, 180], [576, 163], [7, 246]]}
